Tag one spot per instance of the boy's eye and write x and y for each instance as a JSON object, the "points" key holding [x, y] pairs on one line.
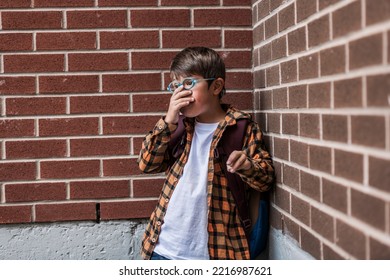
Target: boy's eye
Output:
{"points": [[175, 85], [188, 83]]}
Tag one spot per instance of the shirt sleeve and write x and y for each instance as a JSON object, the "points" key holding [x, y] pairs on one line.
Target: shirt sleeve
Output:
{"points": [[261, 174], [153, 157]]}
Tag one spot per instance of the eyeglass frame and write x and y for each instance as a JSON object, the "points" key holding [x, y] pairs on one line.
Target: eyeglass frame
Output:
{"points": [[194, 81]]}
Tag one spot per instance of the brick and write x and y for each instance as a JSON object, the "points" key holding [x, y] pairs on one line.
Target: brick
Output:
{"points": [[66, 41], [69, 127], [379, 173], [274, 4], [350, 239], [222, 17], [120, 167], [281, 149], [15, 214], [378, 250], [65, 212], [69, 84], [15, 4], [369, 131], [348, 93], [266, 100], [34, 63], [35, 149], [335, 195], [17, 171], [131, 82], [127, 3], [236, 59], [282, 199], [320, 158], [287, 17], [259, 79], [97, 19], [271, 26], [100, 104], [263, 10], [349, 165], [129, 39], [128, 125], [319, 95], [290, 124], [151, 60], [335, 128], [305, 8], [289, 71], [127, 209], [347, 19], [275, 218], [300, 209], [366, 52], [31, 20], [309, 125], [188, 38], [99, 189], [310, 244], [272, 76], [297, 40], [99, 147], [298, 96], [328, 252], [70, 169], [377, 90], [35, 106], [279, 48], [279, 98], [16, 42], [299, 153], [377, 11], [291, 177], [266, 53], [258, 34], [319, 31], [64, 3], [160, 18], [151, 102], [237, 39], [137, 144], [273, 123], [310, 185], [290, 228], [16, 128], [368, 209], [333, 61], [308, 66], [278, 171], [35, 192], [239, 80], [147, 188], [17, 85], [98, 62]]}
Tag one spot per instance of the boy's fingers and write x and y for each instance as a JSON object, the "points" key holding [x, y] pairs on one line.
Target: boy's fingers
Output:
{"points": [[235, 161]]}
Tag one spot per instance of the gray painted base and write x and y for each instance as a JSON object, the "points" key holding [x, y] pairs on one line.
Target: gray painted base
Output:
{"points": [[283, 247], [119, 240]]}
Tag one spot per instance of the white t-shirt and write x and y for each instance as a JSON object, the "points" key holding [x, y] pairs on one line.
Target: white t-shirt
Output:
{"points": [[184, 231]]}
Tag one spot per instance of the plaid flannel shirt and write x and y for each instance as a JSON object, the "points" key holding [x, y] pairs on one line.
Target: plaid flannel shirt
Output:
{"points": [[227, 238]]}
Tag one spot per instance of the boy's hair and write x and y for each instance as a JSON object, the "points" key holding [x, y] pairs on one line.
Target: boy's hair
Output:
{"points": [[200, 61]]}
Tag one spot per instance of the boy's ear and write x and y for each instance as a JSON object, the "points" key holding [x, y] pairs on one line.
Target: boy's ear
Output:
{"points": [[218, 85]]}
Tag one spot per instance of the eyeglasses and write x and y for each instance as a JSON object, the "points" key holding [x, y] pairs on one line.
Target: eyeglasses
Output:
{"points": [[188, 83]]}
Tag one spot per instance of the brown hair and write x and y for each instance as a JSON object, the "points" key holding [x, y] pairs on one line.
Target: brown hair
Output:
{"points": [[200, 61]]}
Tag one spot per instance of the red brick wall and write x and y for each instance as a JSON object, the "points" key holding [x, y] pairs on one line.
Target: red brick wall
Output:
{"points": [[322, 86], [82, 81]]}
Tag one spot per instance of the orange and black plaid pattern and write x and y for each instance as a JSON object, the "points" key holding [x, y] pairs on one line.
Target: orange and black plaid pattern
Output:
{"points": [[226, 235]]}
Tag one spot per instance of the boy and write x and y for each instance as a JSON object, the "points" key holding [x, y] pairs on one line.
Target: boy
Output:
{"points": [[196, 216]]}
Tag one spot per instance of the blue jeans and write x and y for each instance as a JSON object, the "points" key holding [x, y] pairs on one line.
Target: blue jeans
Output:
{"points": [[157, 257]]}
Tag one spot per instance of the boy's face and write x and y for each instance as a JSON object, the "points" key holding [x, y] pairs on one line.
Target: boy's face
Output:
{"points": [[204, 98]]}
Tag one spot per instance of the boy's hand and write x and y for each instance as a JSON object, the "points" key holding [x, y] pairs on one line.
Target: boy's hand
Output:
{"points": [[180, 98], [237, 161]]}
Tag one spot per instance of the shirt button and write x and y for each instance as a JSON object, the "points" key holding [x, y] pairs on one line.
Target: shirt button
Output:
{"points": [[160, 127], [159, 223], [154, 240], [166, 200]]}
